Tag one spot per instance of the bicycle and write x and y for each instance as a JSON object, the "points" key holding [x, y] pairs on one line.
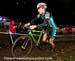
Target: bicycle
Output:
{"points": [[26, 40]]}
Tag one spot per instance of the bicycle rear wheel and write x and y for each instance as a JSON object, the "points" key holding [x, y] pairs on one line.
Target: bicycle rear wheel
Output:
{"points": [[17, 49]]}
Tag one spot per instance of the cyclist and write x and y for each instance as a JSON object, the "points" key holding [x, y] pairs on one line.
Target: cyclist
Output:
{"points": [[48, 22]]}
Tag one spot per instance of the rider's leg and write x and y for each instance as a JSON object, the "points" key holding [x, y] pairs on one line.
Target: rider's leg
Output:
{"points": [[51, 42], [44, 39]]}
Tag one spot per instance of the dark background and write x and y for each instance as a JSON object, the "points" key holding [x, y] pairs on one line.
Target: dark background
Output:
{"points": [[24, 10]]}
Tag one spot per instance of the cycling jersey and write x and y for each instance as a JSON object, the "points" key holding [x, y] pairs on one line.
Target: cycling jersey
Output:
{"points": [[48, 22]]}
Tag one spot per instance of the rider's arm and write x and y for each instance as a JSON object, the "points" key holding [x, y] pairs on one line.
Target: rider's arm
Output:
{"points": [[54, 27], [41, 25], [33, 20]]}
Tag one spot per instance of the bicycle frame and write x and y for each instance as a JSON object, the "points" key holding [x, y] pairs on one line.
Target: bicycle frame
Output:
{"points": [[36, 42]]}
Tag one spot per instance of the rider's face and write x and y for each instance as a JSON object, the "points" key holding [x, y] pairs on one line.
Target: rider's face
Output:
{"points": [[41, 10]]}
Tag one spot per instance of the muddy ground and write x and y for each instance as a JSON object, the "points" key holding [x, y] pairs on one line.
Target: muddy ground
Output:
{"points": [[64, 51]]}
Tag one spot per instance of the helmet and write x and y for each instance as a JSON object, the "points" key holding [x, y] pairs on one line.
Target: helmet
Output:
{"points": [[41, 5]]}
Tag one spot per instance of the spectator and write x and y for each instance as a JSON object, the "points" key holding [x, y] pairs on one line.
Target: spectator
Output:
{"points": [[12, 27]]}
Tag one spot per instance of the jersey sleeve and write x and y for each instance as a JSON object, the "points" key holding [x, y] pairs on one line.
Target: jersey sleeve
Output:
{"points": [[42, 24], [33, 20], [54, 27]]}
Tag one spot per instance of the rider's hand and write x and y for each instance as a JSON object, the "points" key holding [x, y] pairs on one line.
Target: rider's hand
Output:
{"points": [[33, 27], [26, 25]]}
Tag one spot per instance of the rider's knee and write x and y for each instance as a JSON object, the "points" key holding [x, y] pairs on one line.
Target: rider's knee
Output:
{"points": [[51, 41], [44, 39]]}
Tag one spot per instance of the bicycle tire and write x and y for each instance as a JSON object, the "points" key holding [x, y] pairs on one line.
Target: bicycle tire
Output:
{"points": [[25, 53]]}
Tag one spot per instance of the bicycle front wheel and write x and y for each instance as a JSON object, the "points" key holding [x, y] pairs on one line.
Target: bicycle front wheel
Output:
{"points": [[22, 46]]}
